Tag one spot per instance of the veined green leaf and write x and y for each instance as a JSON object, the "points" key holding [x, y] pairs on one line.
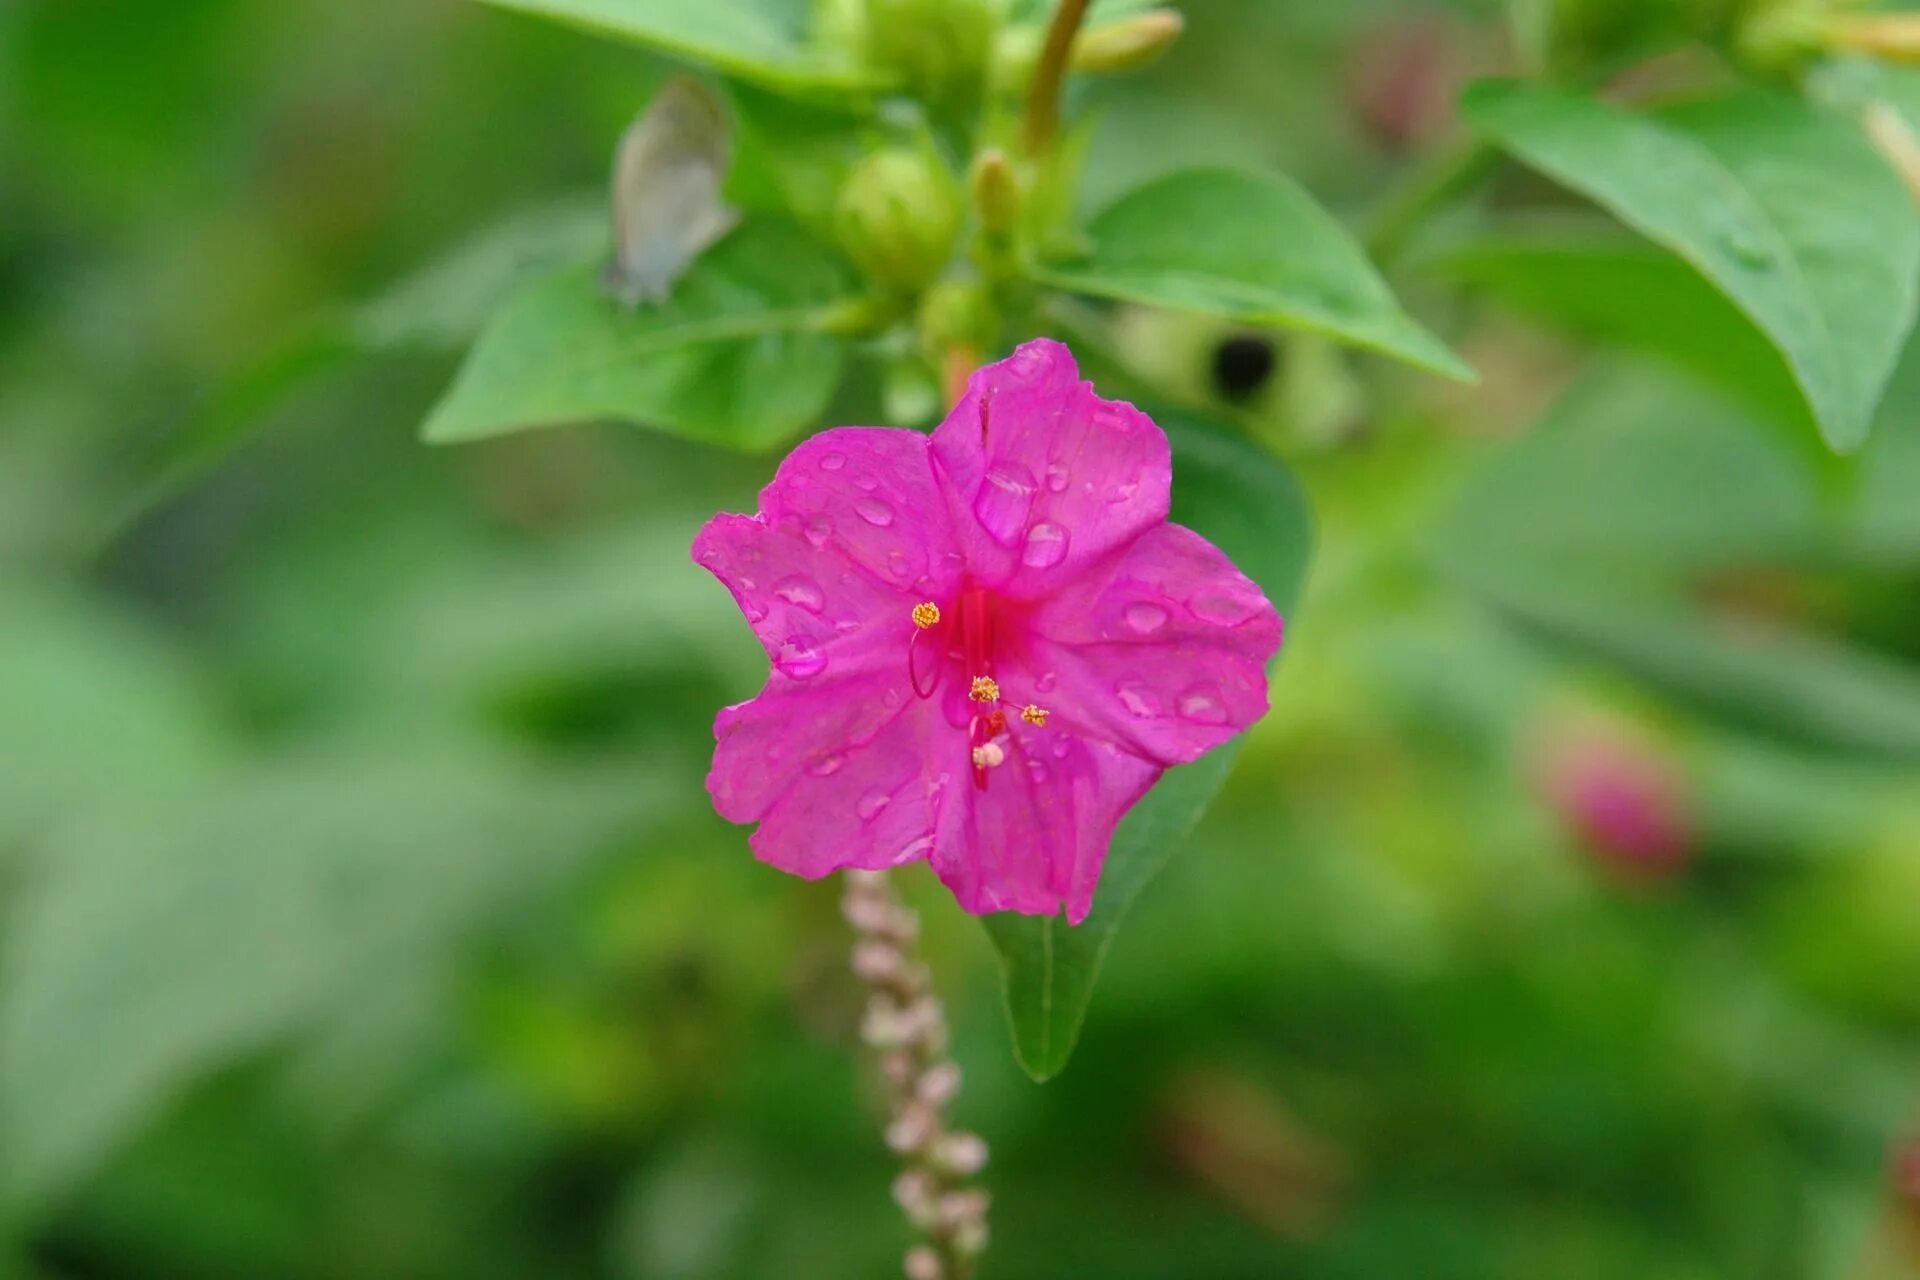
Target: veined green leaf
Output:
{"points": [[1786, 210], [1248, 504], [1253, 247], [1597, 283], [737, 356], [761, 40]]}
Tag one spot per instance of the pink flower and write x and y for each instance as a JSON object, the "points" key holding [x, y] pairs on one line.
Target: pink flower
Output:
{"points": [[987, 645]]}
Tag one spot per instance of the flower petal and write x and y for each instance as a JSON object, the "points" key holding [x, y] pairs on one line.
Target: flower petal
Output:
{"points": [[1035, 839], [1042, 477], [870, 805], [866, 495], [1161, 649]]}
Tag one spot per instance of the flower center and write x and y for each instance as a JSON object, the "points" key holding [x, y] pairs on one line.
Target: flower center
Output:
{"points": [[932, 647]]}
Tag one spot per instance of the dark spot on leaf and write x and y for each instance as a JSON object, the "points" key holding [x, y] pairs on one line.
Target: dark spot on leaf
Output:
{"points": [[1242, 367]]}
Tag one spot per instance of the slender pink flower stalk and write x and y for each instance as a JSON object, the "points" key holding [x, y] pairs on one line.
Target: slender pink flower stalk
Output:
{"points": [[906, 1027], [986, 645]]}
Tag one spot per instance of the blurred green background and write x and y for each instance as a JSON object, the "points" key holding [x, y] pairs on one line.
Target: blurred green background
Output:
{"points": [[362, 913]]}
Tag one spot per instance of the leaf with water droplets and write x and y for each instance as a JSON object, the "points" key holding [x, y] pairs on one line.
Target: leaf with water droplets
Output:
{"points": [[1785, 209], [1252, 247], [1247, 504]]}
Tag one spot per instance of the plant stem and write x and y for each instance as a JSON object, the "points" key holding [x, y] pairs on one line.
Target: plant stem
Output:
{"points": [[1426, 190], [1049, 76], [906, 1027]]}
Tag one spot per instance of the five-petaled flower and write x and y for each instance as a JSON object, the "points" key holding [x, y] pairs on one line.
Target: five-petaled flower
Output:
{"points": [[987, 645]]}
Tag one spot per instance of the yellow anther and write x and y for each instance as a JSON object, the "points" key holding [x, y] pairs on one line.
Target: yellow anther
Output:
{"points": [[1033, 715], [926, 614], [984, 689]]}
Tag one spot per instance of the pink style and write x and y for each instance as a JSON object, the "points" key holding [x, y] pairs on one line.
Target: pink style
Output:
{"points": [[987, 645]]}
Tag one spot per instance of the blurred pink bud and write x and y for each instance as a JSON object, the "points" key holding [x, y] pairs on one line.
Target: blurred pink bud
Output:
{"points": [[940, 1084], [962, 1154], [1622, 796], [1403, 78], [923, 1263], [914, 1192], [911, 1130], [876, 961]]}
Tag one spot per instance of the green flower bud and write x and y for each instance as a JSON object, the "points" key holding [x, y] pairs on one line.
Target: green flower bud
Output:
{"points": [[996, 191], [898, 215], [939, 47], [1127, 44]]}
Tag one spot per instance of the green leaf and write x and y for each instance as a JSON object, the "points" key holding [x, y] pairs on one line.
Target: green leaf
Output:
{"points": [[1796, 686], [1251, 247], [166, 942], [442, 305], [1249, 505], [760, 40], [1591, 535], [1786, 210], [736, 356], [1598, 284]]}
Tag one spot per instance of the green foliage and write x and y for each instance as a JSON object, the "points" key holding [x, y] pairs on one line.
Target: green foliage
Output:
{"points": [[1252, 508], [1255, 249], [1787, 211], [743, 354], [362, 913], [760, 40]]}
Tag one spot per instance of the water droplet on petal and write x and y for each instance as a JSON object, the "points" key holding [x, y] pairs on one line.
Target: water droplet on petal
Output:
{"points": [[1046, 682], [826, 765], [800, 660], [1056, 478], [819, 530], [1122, 493], [914, 851], [1004, 502], [1137, 698], [801, 592], [1201, 704], [1046, 546], [898, 566], [833, 461], [1060, 748], [1037, 771], [866, 483], [1223, 608], [1144, 617], [871, 803], [874, 512]]}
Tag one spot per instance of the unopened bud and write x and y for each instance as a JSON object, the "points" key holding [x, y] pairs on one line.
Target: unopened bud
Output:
{"points": [[884, 1026], [996, 191], [922, 1263], [970, 1238], [911, 1130], [961, 1154], [956, 314], [939, 1084], [898, 215], [915, 1192], [876, 961], [1128, 43], [961, 1209]]}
